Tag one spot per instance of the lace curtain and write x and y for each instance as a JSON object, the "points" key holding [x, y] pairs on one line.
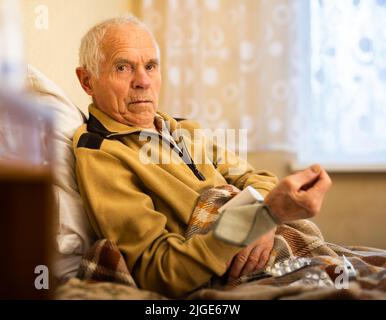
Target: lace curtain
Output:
{"points": [[299, 75], [229, 64], [348, 82]]}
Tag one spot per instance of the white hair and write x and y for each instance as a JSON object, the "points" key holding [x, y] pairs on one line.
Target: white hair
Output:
{"points": [[90, 52]]}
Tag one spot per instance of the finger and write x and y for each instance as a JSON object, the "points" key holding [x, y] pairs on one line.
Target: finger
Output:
{"points": [[229, 263], [324, 183], [306, 177], [253, 260], [239, 262], [263, 259], [311, 200], [318, 190]]}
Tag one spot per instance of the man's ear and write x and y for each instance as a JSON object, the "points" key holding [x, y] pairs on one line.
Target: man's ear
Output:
{"points": [[85, 80]]}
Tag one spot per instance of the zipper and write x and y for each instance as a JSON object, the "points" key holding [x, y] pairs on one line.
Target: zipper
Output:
{"points": [[196, 172], [192, 166]]}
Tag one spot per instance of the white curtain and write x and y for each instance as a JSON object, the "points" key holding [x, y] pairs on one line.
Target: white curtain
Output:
{"points": [[301, 75], [347, 114], [230, 64]]}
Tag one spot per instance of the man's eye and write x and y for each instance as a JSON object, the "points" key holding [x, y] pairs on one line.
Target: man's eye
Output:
{"points": [[150, 66], [122, 68]]}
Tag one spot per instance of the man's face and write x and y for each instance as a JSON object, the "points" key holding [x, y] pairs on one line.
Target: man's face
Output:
{"points": [[129, 80]]}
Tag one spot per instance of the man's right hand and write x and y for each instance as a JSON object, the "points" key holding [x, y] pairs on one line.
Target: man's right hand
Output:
{"points": [[299, 196]]}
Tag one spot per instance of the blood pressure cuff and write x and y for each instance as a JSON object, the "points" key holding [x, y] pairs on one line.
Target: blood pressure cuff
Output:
{"points": [[242, 225]]}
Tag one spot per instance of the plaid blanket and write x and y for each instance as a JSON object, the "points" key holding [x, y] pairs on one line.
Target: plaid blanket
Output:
{"points": [[322, 277]]}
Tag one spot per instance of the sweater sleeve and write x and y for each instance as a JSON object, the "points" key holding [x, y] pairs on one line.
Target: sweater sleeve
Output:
{"points": [[121, 211], [237, 171]]}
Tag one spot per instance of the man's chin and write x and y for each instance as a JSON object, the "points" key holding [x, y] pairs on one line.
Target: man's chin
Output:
{"points": [[140, 107]]}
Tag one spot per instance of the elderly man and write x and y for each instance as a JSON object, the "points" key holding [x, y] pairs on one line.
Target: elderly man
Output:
{"points": [[145, 207]]}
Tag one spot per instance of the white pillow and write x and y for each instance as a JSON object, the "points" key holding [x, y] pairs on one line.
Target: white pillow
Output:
{"points": [[75, 234]]}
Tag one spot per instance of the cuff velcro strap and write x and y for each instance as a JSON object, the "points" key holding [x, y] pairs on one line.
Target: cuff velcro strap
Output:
{"points": [[242, 225]]}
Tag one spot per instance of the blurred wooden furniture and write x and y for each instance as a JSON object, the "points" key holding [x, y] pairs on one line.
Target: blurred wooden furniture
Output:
{"points": [[25, 233]]}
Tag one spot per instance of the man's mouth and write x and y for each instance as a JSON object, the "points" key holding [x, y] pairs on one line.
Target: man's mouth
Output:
{"points": [[140, 101]]}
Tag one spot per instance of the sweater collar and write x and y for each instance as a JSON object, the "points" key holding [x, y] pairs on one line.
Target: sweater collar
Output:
{"points": [[101, 123]]}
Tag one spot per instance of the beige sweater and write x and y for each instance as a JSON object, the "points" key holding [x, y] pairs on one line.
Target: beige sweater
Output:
{"points": [[145, 207]]}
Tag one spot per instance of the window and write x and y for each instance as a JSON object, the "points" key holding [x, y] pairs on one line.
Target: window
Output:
{"points": [[344, 107]]}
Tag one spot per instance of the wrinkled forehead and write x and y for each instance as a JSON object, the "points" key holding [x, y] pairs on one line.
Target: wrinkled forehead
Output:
{"points": [[128, 38]]}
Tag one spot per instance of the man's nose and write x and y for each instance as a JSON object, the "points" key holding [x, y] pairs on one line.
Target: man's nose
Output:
{"points": [[141, 80]]}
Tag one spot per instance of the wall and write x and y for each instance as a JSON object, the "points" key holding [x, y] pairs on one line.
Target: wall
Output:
{"points": [[54, 50]]}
